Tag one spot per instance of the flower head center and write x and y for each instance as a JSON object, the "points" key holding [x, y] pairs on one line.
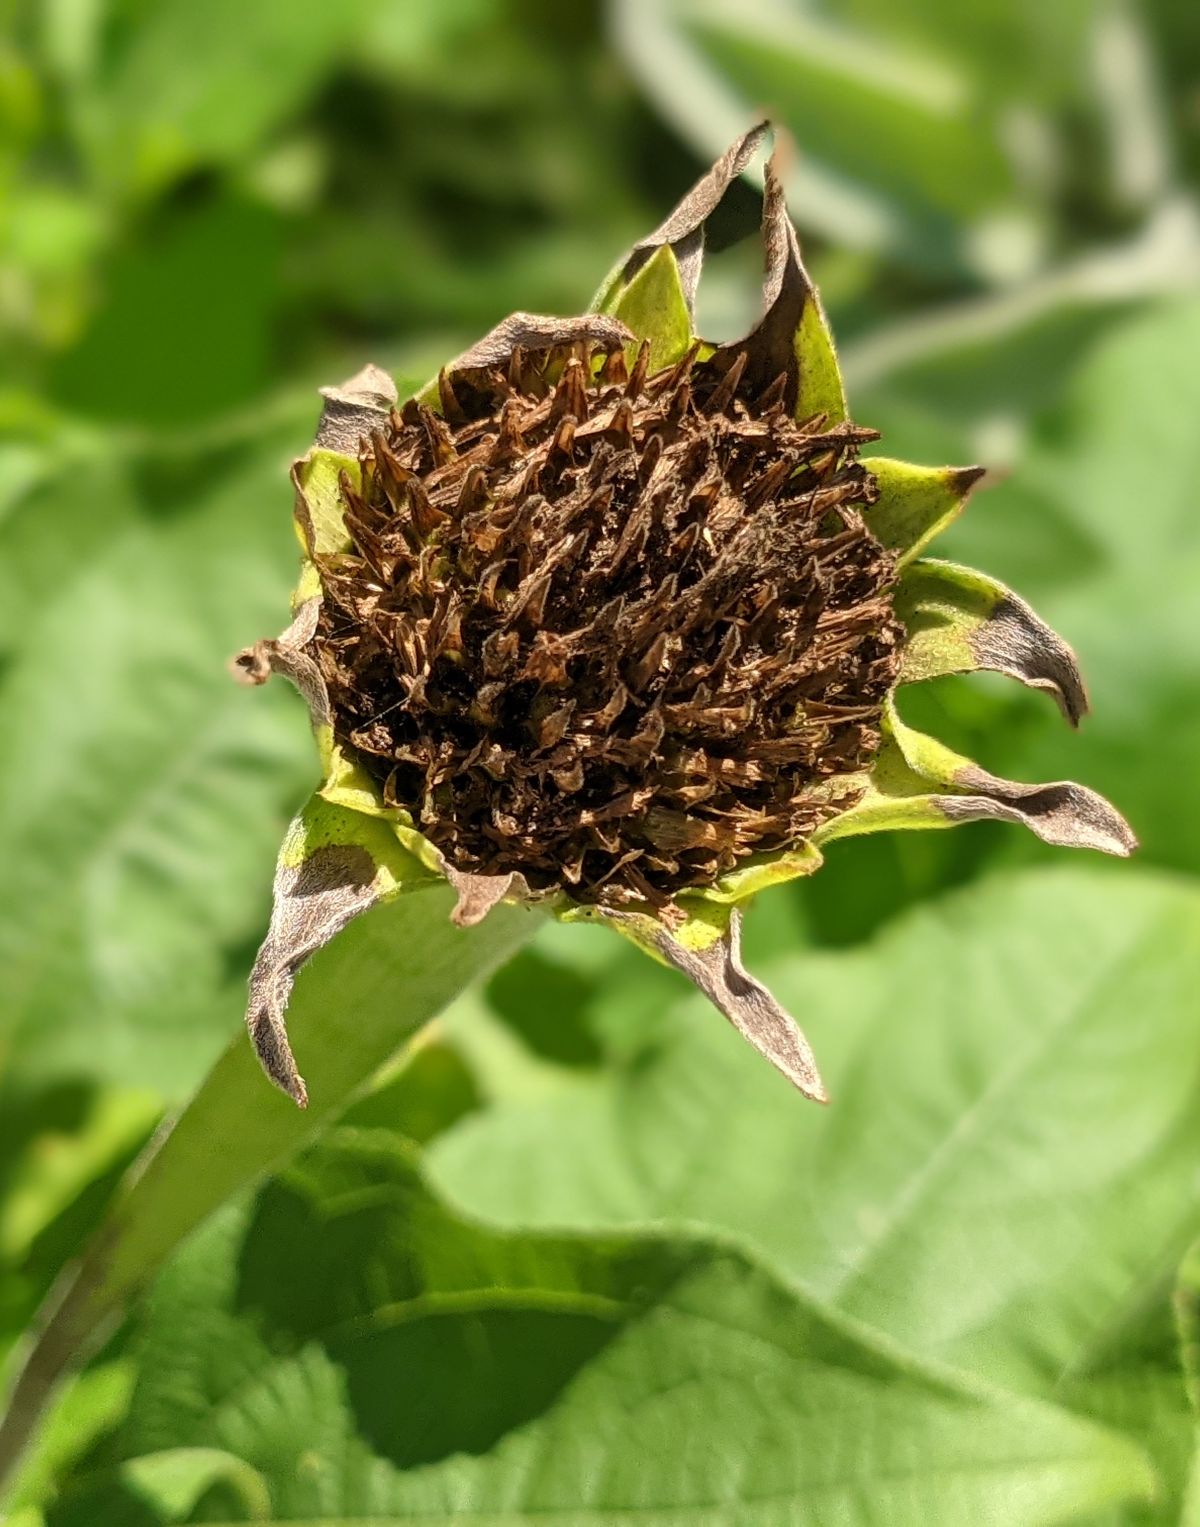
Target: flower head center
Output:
{"points": [[613, 630]]}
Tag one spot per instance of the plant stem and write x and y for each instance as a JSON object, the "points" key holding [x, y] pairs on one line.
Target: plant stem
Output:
{"points": [[359, 1000]]}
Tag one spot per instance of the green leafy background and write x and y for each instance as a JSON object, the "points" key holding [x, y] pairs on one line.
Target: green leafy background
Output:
{"points": [[580, 1256]]}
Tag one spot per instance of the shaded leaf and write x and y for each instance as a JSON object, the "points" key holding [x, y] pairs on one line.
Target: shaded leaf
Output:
{"points": [[587, 1379], [193, 86]]}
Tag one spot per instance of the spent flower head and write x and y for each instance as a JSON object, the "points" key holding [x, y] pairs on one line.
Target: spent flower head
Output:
{"points": [[611, 619]]}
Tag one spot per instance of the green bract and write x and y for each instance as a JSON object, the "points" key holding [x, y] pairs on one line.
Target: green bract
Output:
{"points": [[351, 847]]}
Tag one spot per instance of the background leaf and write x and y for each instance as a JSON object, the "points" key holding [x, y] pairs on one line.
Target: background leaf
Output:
{"points": [[142, 791], [954, 1215], [205, 214], [594, 1379]]}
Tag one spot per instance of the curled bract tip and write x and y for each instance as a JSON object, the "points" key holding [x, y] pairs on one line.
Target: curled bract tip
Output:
{"points": [[961, 621], [314, 899], [353, 409], [682, 231], [478, 894]]}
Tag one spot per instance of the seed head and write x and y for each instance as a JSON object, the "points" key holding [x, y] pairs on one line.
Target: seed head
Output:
{"points": [[610, 630]]}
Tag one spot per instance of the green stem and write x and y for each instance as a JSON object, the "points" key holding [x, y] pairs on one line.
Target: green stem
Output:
{"points": [[358, 1001]]}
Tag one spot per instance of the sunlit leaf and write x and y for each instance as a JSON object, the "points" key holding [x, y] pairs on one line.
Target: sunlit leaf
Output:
{"points": [[976, 1209]]}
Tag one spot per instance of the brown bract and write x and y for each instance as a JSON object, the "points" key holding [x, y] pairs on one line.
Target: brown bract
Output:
{"points": [[610, 630]]}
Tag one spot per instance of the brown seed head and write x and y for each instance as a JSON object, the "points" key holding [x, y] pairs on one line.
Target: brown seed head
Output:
{"points": [[615, 631]]}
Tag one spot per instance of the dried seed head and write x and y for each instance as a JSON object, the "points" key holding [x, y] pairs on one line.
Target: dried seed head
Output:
{"points": [[612, 630], [605, 630]]}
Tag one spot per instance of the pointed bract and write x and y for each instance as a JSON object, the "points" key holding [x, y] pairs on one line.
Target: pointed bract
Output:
{"points": [[319, 509], [792, 338], [714, 966], [961, 621], [917, 782], [333, 865], [653, 306], [915, 504]]}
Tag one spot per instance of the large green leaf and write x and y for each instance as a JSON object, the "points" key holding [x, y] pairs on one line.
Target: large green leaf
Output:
{"points": [[427, 1369], [356, 1004], [141, 792], [1007, 43], [1086, 456], [1008, 1164]]}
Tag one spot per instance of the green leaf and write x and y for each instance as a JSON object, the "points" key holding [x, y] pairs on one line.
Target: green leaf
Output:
{"points": [[143, 358], [94, 1405], [1187, 1316], [905, 132], [174, 1481], [1145, 1401], [66, 1150], [141, 792], [425, 1368], [896, 152], [1089, 460], [977, 1188], [202, 85], [1008, 44]]}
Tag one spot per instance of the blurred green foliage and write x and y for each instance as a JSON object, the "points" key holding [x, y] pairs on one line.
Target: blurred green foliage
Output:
{"points": [[584, 1258]]}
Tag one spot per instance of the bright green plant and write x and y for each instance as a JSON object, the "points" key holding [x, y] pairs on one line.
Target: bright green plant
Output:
{"points": [[950, 1297]]}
